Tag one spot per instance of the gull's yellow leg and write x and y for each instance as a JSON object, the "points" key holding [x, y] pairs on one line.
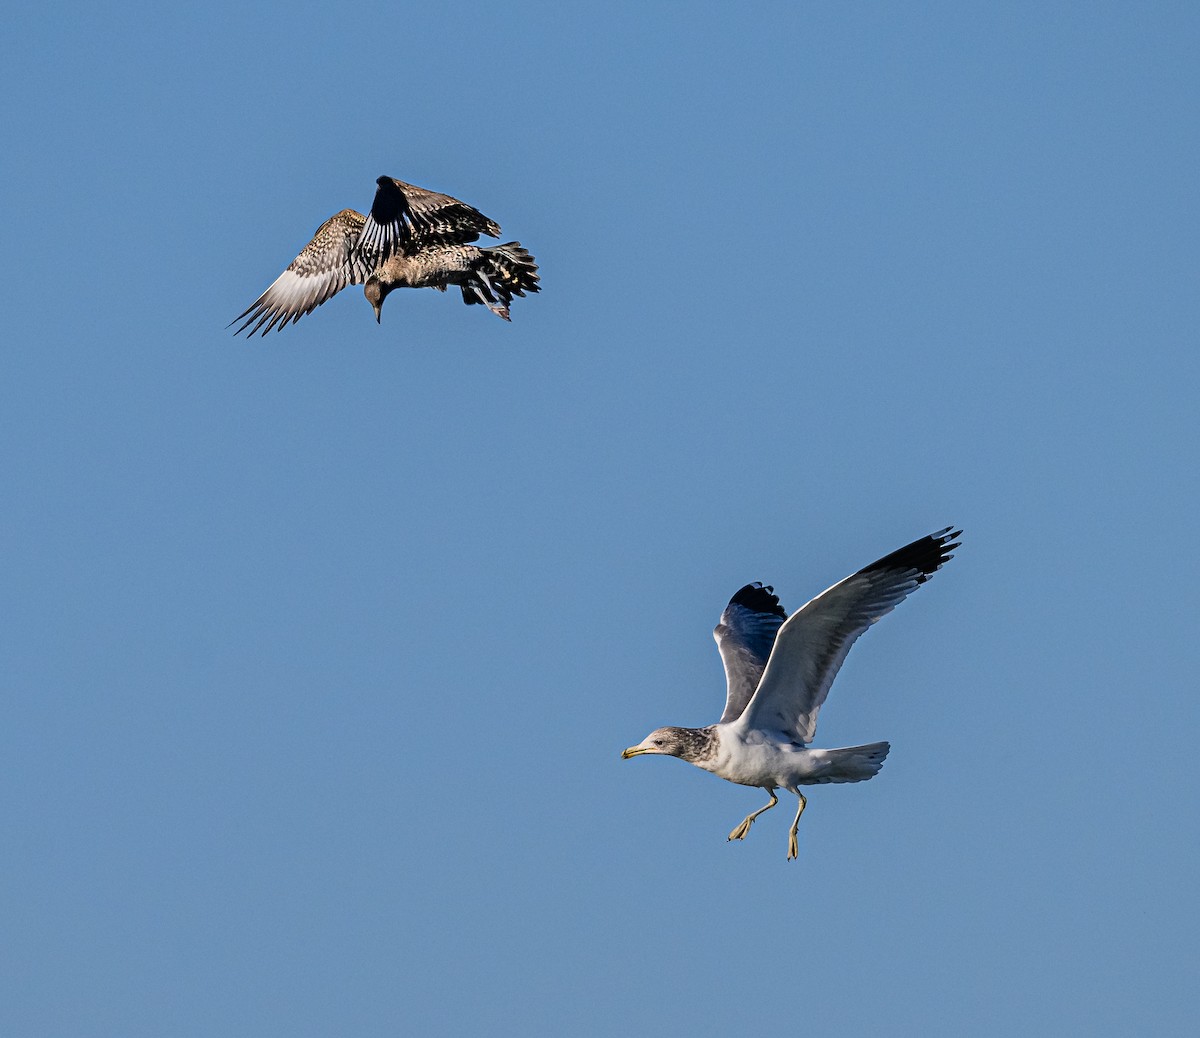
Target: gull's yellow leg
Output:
{"points": [[740, 832], [793, 846]]}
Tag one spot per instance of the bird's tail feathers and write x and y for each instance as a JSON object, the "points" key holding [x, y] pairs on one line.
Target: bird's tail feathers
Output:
{"points": [[500, 272], [853, 763]]}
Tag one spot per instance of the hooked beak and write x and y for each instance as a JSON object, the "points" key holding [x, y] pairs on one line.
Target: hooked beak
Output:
{"points": [[379, 315], [633, 751]]}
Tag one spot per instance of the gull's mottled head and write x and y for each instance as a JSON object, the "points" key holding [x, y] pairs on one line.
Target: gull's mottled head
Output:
{"points": [[375, 294], [690, 744]]}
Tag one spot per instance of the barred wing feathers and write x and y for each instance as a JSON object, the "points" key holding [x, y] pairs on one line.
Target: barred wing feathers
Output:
{"points": [[326, 265], [409, 218]]}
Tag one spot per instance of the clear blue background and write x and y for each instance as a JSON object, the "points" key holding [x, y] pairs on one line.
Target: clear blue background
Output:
{"points": [[319, 651]]}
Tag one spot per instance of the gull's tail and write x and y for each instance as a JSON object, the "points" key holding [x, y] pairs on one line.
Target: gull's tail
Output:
{"points": [[499, 273], [851, 763]]}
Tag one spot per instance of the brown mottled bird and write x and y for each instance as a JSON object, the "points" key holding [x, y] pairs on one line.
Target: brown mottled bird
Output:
{"points": [[411, 238]]}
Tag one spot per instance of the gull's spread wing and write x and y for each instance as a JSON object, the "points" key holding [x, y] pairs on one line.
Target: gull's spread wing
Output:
{"points": [[744, 636], [408, 218], [810, 647], [325, 266]]}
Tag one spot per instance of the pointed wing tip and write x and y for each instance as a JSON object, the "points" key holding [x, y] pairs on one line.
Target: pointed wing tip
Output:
{"points": [[758, 598], [922, 558], [944, 538], [243, 318], [927, 562]]}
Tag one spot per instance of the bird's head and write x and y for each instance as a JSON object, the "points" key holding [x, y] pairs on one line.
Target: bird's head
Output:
{"points": [[375, 292], [674, 742]]}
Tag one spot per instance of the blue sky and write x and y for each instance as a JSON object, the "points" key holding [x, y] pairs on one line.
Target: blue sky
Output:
{"points": [[321, 649]]}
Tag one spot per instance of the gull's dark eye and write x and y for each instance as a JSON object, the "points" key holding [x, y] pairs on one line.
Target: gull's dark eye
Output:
{"points": [[658, 742]]}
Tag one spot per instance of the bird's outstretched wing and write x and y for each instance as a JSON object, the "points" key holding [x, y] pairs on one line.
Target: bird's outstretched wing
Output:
{"points": [[409, 218], [744, 635], [811, 646], [326, 265]]}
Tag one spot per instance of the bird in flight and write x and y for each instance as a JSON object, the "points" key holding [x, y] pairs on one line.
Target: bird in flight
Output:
{"points": [[779, 669], [411, 238]]}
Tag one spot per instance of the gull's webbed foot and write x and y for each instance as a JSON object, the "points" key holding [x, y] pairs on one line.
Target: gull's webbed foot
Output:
{"points": [[740, 832], [793, 847]]}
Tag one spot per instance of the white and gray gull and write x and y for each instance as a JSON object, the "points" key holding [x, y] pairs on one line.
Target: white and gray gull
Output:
{"points": [[779, 671]]}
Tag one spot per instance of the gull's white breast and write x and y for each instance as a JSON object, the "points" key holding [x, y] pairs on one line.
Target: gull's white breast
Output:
{"points": [[759, 758]]}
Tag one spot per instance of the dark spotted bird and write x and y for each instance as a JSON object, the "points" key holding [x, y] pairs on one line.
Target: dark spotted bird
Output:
{"points": [[778, 671], [411, 238]]}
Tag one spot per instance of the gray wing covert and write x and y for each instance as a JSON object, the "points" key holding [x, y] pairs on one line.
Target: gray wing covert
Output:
{"points": [[812, 645], [745, 635]]}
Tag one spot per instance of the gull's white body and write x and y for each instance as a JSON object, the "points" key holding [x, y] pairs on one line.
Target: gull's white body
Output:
{"points": [[779, 670], [771, 760]]}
